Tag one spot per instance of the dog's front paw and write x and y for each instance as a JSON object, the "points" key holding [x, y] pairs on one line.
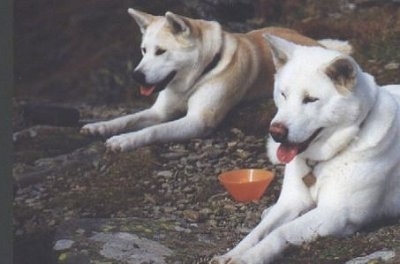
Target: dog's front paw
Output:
{"points": [[118, 143], [100, 128], [126, 142]]}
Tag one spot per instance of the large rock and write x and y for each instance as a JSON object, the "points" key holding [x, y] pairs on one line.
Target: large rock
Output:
{"points": [[129, 240], [130, 248], [382, 256]]}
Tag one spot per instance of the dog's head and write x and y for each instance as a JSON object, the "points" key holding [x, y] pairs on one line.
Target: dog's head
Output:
{"points": [[166, 47], [314, 94]]}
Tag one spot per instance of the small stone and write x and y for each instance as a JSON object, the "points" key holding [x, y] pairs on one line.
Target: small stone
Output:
{"points": [[80, 231], [230, 208], [63, 244], [191, 215], [204, 213], [232, 144], [212, 223], [19, 232], [237, 132], [165, 174], [174, 155], [168, 209], [62, 257], [215, 153], [188, 189], [181, 229], [392, 66], [243, 154]]}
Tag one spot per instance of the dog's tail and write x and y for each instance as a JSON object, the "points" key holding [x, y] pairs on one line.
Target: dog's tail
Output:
{"points": [[339, 45]]}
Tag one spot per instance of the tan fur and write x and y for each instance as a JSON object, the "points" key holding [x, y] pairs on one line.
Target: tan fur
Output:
{"points": [[261, 51]]}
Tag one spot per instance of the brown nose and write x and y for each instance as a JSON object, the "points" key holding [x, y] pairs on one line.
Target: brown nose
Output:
{"points": [[279, 132]]}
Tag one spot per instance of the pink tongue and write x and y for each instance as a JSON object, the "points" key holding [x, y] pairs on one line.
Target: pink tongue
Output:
{"points": [[146, 91], [286, 153]]}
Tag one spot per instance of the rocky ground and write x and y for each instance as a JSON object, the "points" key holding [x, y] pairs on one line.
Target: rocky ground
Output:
{"points": [[76, 203]]}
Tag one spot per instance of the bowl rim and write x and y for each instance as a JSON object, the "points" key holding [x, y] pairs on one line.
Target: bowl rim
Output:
{"points": [[269, 174]]}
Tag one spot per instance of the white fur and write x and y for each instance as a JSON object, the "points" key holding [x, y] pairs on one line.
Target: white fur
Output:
{"points": [[357, 156]]}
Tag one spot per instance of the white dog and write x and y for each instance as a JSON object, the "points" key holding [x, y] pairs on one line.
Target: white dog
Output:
{"points": [[338, 132], [201, 72]]}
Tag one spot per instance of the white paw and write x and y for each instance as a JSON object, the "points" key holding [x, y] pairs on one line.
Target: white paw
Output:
{"points": [[119, 143], [100, 128], [128, 141]]}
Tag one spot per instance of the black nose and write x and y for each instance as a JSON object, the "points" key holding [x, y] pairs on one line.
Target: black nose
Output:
{"points": [[279, 132], [139, 77]]}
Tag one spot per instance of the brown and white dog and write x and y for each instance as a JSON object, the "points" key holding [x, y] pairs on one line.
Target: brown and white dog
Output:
{"points": [[201, 72]]}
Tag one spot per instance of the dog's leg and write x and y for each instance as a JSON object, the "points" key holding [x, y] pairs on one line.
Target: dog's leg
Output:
{"points": [[277, 215], [206, 109], [163, 110], [117, 125], [306, 228], [293, 201], [184, 128]]}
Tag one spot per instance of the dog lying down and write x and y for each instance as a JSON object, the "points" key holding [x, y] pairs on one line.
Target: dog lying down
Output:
{"points": [[201, 72], [337, 126]]}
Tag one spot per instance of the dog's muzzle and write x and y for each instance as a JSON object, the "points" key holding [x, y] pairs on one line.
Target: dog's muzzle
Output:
{"points": [[139, 77], [148, 88], [279, 132], [288, 150]]}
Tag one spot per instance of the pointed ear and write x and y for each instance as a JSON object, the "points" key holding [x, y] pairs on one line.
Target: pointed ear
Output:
{"points": [[178, 23], [342, 72], [141, 18], [281, 50]]}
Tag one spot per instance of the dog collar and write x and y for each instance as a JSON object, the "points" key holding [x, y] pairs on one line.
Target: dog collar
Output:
{"points": [[211, 65]]}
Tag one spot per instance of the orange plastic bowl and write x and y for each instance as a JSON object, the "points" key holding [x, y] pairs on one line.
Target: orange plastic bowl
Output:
{"points": [[246, 185]]}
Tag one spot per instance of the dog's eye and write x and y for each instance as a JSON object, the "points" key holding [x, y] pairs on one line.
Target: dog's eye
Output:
{"points": [[160, 51], [283, 95], [143, 50], [309, 99]]}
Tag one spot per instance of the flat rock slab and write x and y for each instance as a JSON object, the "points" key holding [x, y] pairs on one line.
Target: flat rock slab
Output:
{"points": [[383, 256], [132, 241], [130, 248]]}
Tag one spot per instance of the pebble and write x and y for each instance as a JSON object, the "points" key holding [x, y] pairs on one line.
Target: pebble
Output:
{"points": [[63, 244], [165, 174], [173, 155], [191, 215], [181, 229], [392, 66]]}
